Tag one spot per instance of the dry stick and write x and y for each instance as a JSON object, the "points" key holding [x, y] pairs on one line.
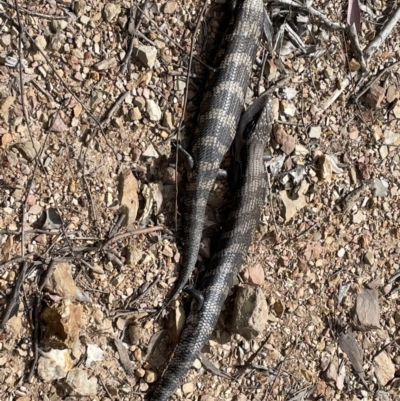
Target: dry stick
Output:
{"points": [[34, 13], [178, 131], [376, 78], [312, 11], [17, 260], [114, 108], [14, 297], [96, 121], [387, 28], [279, 372], [243, 368], [368, 52], [131, 233]]}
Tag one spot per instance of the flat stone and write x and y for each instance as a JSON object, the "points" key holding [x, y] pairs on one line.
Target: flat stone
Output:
{"points": [[29, 149], [384, 368], [168, 120], [367, 313], [315, 132], [153, 109], [287, 142], [250, 314], [54, 365], [106, 64], [139, 102], [111, 11], [128, 196], [374, 96], [292, 206], [254, 275], [146, 55], [79, 382]]}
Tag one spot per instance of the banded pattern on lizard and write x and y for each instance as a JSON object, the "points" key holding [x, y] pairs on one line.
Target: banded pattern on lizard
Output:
{"points": [[225, 265], [218, 120]]}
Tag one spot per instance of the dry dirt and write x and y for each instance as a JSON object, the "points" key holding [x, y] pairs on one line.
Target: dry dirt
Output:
{"points": [[317, 253]]}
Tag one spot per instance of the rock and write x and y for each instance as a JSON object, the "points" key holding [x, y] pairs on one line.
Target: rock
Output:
{"points": [[271, 70], [383, 151], [93, 354], [384, 368], [250, 313], [128, 196], [188, 388], [292, 206], [331, 372], [63, 322], [380, 188], [150, 152], [106, 64], [369, 258], [135, 114], [41, 42], [254, 275], [153, 109], [324, 169], [288, 108], [54, 365], [287, 142], [111, 11], [315, 132], [28, 149], [176, 322], [80, 8], [367, 310], [170, 7], [374, 96], [146, 55], [14, 325], [139, 102], [391, 93], [56, 123], [6, 103], [396, 110], [391, 138], [341, 252], [78, 380], [61, 282], [5, 40], [168, 120], [359, 217], [150, 376], [6, 139], [354, 65]]}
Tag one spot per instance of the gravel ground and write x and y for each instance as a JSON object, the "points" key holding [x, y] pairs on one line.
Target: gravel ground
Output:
{"points": [[91, 136]]}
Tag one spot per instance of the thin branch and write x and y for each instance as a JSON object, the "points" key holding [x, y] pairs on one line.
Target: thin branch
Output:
{"points": [[383, 34], [140, 231], [14, 297]]}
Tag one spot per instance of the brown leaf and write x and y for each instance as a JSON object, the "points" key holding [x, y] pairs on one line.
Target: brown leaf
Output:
{"points": [[128, 196]]}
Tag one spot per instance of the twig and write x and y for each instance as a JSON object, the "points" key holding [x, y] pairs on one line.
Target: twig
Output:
{"points": [[279, 372], [14, 297], [140, 296], [140, 231], [296, 236], [243, 368], [382, 35], [68, 88], [113, 109], [312, 11], [35, 335], [33, 13], [185, 97], [17, 260], [375, 79]]}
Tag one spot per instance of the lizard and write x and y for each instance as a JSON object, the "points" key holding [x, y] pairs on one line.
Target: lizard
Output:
{"points": [[231, 252], [218, 120]]}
